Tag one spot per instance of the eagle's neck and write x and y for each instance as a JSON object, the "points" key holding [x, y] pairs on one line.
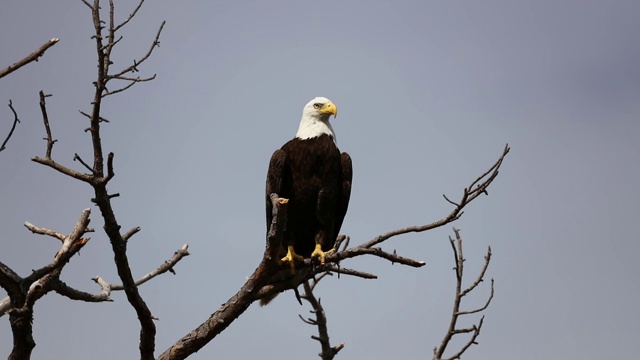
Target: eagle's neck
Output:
{"points": [[311, 127]]}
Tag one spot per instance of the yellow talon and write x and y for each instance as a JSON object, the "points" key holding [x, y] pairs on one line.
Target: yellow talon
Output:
{"points": [[321, 254], [291, 258]]}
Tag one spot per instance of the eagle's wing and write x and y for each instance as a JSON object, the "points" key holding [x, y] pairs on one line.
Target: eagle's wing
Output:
{"points": [[275, 176], [343, 200]]}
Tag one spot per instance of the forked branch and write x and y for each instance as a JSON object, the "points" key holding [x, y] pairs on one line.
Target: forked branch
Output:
{"points": [[24, 292], [47, 160], [70, 246], [167, 266], [453, 330], [106, 288]]}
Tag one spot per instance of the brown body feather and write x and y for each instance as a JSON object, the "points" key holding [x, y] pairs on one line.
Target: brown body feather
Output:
{"points": [[316, 178]]}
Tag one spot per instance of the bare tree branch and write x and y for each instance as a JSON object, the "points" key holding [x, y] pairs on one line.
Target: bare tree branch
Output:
{"points": [[340, 240], [63, 289], [77, 158], [40, 279], [132, 81], [99, 181], [13, 127], [87, 3], [357, 273], [126, 236], [136, 63], [47, 160], [23, 293], [362, 250], [484, 307], [70, 245], [470, 193], [89, 117], [29, 58], [45, 118], [166, 266], [42, 231], [438, 352], [135, 11], [328, 352]]}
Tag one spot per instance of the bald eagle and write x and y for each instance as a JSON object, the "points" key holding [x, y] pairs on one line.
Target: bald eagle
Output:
{"points": [[311, 172]]}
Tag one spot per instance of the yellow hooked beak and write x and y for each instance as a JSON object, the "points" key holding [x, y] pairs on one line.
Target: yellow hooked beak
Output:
{"points": [[329, 108]]}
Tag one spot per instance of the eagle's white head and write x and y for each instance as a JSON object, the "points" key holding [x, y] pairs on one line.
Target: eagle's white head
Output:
{"points": [[315, 119]]}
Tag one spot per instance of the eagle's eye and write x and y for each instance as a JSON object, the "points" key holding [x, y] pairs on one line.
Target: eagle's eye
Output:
{"points": [[317, 105]]}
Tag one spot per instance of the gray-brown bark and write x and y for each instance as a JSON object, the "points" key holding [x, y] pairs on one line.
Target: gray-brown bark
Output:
{"points": [[453, 330], [29, 58]]}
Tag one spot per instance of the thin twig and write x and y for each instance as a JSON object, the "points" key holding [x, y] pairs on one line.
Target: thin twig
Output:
{"points": [[126, 236], [449, 201], [13, 127], [470, 193], [77, 158], [47, 160], [45, 118], [29, 58], [362, 250], [487, 259], [88, 178], [74, 294], [134, 67], [484, 307], [167, 266], [42, 231], [135, 11], [133, 81], [70, 245], [357, 273], [89, 116]]}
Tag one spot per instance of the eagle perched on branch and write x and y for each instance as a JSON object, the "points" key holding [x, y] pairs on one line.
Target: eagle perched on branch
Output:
{"points": [[315, 177]]}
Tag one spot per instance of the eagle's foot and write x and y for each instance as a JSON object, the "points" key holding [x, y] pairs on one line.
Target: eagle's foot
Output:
{"points": [[321, 254], [291, 258]]}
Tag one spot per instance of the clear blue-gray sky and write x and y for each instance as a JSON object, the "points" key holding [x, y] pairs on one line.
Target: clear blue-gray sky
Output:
{"points": [[428, 94]]}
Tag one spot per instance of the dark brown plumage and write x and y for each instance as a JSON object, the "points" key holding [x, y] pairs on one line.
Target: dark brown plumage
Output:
{"points": [[316, 179]]}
